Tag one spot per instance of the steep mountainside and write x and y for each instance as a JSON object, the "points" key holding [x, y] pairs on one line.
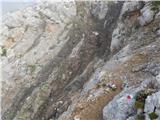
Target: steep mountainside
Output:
{"points": [[81, 61]]}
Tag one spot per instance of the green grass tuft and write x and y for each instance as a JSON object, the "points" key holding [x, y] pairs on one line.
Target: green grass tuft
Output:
{"points": [[4, 51], [32, 68], [155, 5], [153, 116], [140, 117], [139, 105]]}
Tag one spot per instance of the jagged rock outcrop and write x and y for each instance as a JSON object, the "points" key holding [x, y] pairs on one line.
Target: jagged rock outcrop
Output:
{"points": [[122, 108], [79, 60]]}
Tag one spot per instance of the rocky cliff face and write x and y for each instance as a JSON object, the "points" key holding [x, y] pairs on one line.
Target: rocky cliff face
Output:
{"points": [[81, 61]]}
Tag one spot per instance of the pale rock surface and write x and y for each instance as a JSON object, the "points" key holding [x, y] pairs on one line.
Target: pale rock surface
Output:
{"points": [[147, 15], [58, 59]]}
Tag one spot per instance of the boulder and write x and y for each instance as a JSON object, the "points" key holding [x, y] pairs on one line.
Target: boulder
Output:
{"points": [[131, 7], [152, 102], [121, 106], [147, 15]]}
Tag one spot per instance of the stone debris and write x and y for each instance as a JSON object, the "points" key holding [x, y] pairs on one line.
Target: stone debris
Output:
{"points": [[124, 85], [111, 86], [158, 32], [120, 107], [95, 33]]}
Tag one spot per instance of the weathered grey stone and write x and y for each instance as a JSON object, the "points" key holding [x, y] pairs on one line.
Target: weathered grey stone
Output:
{"points": [[152, 104], [131, 7], [131, 118], [158, 79], [120, 107], [99, 9], [157, 16], [59, 52], [147, 15], [117, 38]]}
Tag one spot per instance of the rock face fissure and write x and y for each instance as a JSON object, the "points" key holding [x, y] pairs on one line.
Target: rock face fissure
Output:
{"points": [[89, 49], [93, 45]]}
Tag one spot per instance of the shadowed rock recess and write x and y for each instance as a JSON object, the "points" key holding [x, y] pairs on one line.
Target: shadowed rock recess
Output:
{"points": [[81, 60]]}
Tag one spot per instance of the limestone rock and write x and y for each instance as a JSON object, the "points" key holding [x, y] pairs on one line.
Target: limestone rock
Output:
{"points": [[152, 104], [131, 7], [147, 15], [120, 107], [71, 60]]}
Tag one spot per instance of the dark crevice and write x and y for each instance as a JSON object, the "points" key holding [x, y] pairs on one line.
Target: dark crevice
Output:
{"points": [[94, 46], [89, 50]]}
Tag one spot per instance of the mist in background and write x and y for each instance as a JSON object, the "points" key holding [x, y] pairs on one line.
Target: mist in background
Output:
{"points": [[14, 5]]}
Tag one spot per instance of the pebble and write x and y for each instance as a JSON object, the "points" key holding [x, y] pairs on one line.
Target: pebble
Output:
{"points": [[95, 33], [106, 90], [76, 117], [158, 32], [60, 102]]}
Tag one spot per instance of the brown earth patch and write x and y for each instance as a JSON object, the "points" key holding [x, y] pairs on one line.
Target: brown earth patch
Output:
{"points": [[93, 109]]}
